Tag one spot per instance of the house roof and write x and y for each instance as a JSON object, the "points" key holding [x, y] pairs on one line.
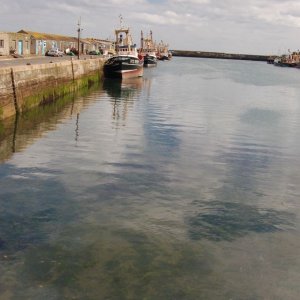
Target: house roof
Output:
{"points": [[57, 37], [100, 40], [48, 36]]}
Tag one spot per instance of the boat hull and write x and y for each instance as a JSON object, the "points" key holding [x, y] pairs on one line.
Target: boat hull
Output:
{"points": [[163, 57], [285, 64], [123, 68], [150, 61]]}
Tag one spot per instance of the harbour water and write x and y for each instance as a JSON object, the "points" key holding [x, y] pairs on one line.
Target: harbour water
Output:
{"points": [[184, 184]]}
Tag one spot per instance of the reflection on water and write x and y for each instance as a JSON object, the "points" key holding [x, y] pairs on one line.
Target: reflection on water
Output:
{"points": [[125, 89], [226, 221], [77, 127], [18, 132], [117, 265], [183, 184], [122, 93]]}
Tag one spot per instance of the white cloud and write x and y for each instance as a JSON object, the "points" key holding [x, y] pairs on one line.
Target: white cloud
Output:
{"points": [[67, 8], [192, 1], [128, 2], [196, 24]]}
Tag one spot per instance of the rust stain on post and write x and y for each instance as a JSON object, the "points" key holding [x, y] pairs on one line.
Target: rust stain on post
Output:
{"points": [[73, 77], [14, 90]]}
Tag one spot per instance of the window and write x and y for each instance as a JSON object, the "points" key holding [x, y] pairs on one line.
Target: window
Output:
{"points": [[1, 43]]}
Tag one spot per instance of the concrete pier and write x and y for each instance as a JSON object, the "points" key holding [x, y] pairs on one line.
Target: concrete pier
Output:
{"points": [[23, 87]]}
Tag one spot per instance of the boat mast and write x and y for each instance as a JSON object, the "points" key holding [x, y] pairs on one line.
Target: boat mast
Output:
{"points": [[121, 21], [142, 40]]}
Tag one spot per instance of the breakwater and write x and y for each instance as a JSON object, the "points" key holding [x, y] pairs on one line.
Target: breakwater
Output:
{"points": [[220, 55], [24, 87]]}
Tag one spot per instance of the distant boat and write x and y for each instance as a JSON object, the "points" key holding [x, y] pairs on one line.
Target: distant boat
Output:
{"points": [[125, 63], [163, 52], [148, 51], [270, 59], [288, 60], [150, 60]]}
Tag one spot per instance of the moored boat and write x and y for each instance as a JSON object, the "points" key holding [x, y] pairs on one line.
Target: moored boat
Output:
{"points": [[123, 66], [163, 56], [270, 59], [125, 63], [148, 50], [288, 60], [150, 60], [163, 51]]}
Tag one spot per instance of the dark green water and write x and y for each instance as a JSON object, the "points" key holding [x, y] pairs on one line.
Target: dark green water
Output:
{"points": [[182, 185]]}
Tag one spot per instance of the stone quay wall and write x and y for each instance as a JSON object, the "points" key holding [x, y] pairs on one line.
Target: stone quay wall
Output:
{"points": [[24, 87], [203, 54]]}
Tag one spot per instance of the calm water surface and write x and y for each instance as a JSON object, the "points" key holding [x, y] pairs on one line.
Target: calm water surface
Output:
{"points": [[182, 185]]}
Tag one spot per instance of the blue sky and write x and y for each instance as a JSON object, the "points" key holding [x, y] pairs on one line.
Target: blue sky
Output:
{"points": [[249, 26]]}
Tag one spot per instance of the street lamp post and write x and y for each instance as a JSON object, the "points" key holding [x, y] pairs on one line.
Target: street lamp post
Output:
{"points": [[78, 31]]}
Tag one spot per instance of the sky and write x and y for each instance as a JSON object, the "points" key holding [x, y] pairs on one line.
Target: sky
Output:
{"points": [[232, 26]]}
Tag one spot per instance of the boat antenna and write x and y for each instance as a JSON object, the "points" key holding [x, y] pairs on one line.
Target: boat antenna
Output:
{"points": [[79, 29], [142, 40], [121, 21]]}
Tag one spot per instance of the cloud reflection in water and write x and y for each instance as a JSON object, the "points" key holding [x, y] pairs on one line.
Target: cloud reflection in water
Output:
{"points": [[219, 221]]}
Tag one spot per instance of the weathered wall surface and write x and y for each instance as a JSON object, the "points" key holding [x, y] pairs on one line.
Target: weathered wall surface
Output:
{"points": [[23, 87], [4, 48], [7, 106], [220, 55]]}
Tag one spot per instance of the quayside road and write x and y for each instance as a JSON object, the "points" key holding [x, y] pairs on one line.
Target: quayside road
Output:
{"points": [[10, 62]]}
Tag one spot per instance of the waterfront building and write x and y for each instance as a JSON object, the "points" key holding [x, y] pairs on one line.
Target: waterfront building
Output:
{"points": [[104, 46], [41, 42], [12, 42], [26, 42]]}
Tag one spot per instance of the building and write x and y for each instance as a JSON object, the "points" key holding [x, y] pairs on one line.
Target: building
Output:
{"points": [[104, 46], [41, 42], [11, 42], [4, 43], [26, 42]]}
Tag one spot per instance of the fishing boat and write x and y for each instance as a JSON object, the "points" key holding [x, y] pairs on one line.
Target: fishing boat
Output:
{"points": [[163, 51], [125, 63], [148, 51], [288, 60]]}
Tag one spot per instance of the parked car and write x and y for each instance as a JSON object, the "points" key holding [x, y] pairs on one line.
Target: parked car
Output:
{"points": [[94, 52], [54, 52]]}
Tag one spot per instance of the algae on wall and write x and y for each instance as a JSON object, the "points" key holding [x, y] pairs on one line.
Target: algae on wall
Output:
{"points": [[39, 84], [21, 130], [50, 94]]}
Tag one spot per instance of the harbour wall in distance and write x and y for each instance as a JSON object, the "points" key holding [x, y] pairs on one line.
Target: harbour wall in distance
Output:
{"points": [[24, 87], [219, 55]]}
